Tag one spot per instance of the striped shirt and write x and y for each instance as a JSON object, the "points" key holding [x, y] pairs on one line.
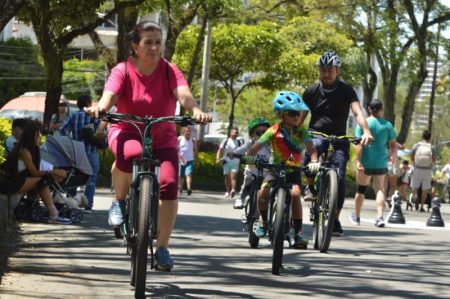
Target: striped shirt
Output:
{"points": [[75, 123]]}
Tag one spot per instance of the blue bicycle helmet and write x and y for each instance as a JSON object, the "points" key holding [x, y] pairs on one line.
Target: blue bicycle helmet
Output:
{"points": [[328, 59], [289, 100]]}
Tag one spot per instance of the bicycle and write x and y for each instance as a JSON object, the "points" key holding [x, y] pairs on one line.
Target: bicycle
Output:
{"points": [[140, 227], [323, 211], [279, 220]]}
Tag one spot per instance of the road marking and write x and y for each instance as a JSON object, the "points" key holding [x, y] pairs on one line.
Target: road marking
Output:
{"points": [[412, 224]]}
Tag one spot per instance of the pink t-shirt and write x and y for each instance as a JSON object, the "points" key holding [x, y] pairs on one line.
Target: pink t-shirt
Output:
{"points": [[147, 96]]}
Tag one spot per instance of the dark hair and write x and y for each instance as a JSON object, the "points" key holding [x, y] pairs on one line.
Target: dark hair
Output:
{"points": [[28, 142], [84, 101], [136, 34], [19, 123], [375, 105], [405, 162], [426, 135]]}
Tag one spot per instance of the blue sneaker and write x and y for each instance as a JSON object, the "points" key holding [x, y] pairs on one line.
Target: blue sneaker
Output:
{"points": [[163, 260], [260, 229], [116, 212]]}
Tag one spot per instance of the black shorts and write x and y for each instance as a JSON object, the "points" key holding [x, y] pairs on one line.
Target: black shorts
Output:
{"points": [[376, 171]]}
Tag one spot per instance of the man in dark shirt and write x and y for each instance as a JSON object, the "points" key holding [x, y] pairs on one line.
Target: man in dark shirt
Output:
{"points": [[330, 101]]}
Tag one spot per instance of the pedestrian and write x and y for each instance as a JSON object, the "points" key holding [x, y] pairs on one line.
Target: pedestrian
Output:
{"points": [[76, 126], [59, 118], [21, 174], [188, 156], [287, 140], [17, 127], [330, 101], [423, 155], [371, 161], [445, 171], [393, 173], [230, 165], [404, 178], [157, 87], [256, 128]]}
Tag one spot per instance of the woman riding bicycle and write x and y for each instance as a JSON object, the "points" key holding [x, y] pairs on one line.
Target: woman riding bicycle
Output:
{"points": [[287, 139], [147, 85]]}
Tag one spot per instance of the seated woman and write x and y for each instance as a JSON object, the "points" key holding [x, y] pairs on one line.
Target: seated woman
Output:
{"points": [[21, 172]]}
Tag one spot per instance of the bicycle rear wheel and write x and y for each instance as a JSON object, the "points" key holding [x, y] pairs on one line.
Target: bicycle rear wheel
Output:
{"points": [[252, 216], [278, 231], [142, 237], [327, 210]]}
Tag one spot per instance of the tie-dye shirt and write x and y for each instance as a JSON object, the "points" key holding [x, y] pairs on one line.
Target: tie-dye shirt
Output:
{"points": [[284, 145]]}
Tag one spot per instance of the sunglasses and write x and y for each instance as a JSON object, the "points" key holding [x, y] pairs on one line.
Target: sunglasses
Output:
{"points": [[292, 113], [259, 132]]}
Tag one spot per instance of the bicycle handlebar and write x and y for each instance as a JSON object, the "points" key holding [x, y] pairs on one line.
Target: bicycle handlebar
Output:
{"points": [[147, 120], [331, 138], [261, 163]]}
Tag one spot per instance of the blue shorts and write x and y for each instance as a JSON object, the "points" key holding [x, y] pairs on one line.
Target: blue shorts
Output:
{"points": [[230, 167], [187, 168]]}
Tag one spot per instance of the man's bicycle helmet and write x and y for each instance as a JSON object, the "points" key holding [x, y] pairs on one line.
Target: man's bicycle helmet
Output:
{"points": [[259, 121], [329, 58], [289, 100]]}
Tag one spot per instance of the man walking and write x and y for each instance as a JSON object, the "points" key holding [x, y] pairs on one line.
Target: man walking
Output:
{"points": [[423, 155]]}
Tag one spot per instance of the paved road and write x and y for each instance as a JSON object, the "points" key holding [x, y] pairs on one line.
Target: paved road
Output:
{"points": [[213, 259]]}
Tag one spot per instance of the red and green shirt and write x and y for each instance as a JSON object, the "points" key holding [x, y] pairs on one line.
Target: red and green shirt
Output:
{"points": [[286, 144]]}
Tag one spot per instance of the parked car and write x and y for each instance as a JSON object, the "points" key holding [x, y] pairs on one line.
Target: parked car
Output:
{"points": [[30, 105]]}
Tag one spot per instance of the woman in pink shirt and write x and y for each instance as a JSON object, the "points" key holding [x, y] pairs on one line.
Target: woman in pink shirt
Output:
{"points": [[147, 84]]}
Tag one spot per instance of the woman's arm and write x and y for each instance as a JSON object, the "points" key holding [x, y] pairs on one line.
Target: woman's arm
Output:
{"points": [[106, 102], [184, 96], [25, 156]]}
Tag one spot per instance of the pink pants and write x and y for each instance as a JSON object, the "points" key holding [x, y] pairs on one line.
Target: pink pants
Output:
{"points": [[126, 146]]}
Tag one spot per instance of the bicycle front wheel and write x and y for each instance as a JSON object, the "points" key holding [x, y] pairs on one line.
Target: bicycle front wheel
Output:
{"points": [[278, 231], [142, 236], [327, 210]]}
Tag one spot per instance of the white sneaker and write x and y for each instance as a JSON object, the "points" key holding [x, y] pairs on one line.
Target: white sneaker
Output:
{"points": [[238, 203], [227, 195], [232, 193], [355, 220], [379, 222]]}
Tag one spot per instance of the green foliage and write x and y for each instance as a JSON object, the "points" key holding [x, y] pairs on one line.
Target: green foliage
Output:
{"points": [[83, 77], [207, 174], [20, 69], [5, 131], [106, 159]]}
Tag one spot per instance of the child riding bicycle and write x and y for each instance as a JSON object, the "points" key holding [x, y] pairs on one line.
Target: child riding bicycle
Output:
{"points": [[287, 139], [256, 128]]}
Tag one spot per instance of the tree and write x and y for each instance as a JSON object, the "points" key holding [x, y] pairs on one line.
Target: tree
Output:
{"points": [[56, 23], [395, 36], [10, 8]]}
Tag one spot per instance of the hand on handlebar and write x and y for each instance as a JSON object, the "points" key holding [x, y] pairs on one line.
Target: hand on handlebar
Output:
{"points": [[94, 111], [314, 166], [201, 116]]}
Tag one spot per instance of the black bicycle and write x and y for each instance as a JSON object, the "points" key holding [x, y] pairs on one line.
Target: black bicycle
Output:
{"points": [[140, 227], [323, 211], [279, 220]]}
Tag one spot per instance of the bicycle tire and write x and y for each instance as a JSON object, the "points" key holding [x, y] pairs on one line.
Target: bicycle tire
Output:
{"points": [[142, 238], [252, 215], [131, 230], [278, 231], [327, 210]]}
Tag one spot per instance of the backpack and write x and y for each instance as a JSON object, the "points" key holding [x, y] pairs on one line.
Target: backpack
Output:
{"points": [[423, 155]]}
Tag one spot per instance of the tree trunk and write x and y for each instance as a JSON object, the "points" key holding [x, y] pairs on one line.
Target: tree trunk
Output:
{"points": [[390, 91], [231, 115], [196, 55], [54, 70], [126, 21]]}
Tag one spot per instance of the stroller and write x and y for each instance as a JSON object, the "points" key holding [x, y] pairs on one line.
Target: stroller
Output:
{"points": [[70, 155]]}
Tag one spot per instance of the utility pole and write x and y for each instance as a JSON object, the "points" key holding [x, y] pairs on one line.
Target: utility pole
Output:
{"points": [[205, 75]]}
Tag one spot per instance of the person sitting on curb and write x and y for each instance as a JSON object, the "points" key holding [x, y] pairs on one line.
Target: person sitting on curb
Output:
{"points": [[21, 174]]}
